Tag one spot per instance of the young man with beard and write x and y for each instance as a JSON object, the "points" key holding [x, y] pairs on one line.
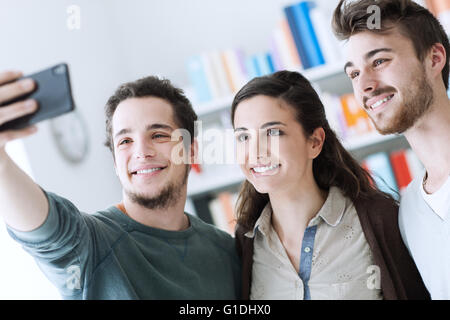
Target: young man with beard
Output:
{"points": [[146, 247], [400, 75]]}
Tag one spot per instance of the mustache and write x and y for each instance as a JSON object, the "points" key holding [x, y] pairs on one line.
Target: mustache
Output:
{"points": [[378, 92]]}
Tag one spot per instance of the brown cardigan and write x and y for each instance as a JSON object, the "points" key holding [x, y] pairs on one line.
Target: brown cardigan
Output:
{"points": [[400, 278]]}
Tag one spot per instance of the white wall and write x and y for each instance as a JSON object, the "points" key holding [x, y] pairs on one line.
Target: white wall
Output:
{"points": [[118, 41]]}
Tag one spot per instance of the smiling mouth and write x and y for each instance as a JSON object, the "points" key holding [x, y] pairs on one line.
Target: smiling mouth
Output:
{"points": [[265, 169], [380, 102], [147, 171]]}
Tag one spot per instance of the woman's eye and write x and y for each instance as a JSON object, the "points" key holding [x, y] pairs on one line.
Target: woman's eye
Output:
{"points": [[273, 132], [242, 137]]}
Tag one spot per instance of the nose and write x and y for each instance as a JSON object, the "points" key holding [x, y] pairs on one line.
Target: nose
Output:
{"points": [[259, 149], [144, 149], [367, 82]]}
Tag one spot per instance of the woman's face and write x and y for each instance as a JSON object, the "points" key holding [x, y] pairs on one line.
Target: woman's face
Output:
{"points": [[271, 148]]}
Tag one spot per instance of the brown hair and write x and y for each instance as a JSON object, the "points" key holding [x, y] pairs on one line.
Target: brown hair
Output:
{"points": [[333, 167], [413, 21], [184, 114]]}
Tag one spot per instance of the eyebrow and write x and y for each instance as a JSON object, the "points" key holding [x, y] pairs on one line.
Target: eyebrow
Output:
{"points": [[154, 126], [265, 125], [367, 56]]}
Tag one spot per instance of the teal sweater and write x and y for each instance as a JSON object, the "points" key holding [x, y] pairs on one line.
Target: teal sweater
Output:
{"points": [[107, 255]]}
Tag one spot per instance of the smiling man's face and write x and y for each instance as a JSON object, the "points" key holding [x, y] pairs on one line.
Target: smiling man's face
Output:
{"points": [[142, 129], [388, 79]]}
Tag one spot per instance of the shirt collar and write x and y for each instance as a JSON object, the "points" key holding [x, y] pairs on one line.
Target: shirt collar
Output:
{"points": [[263, 222], [333, 209], [331, 212]]}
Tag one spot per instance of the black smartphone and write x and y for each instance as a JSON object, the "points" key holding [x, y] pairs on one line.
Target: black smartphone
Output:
{"points": [[53, 94]]}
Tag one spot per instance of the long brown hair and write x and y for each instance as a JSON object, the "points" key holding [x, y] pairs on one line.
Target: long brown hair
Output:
{"points": [[333, 167]]}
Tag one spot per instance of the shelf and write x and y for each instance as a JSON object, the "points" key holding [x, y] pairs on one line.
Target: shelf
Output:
{"points": [[313, 75], [367, 140], [213, 180]]}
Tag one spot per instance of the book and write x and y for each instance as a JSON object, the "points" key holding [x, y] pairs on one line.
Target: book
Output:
{"points": [[233, 60], [211, 75], [356, 118], [327, 41], [198, 79], [290, 17], [305, 31], [379, 166], [219, 74], [401, 169], [287, 38]]}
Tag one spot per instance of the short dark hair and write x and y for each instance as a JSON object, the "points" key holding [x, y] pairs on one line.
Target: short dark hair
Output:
{"points": [[413, 21], [184, 114]]}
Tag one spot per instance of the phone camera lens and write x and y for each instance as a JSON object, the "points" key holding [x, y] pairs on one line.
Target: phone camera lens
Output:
{"points": [[59, 70]]}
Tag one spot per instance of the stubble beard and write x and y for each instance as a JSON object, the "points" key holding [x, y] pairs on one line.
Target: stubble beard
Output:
{"points": [[166, 198], [417, 101]]}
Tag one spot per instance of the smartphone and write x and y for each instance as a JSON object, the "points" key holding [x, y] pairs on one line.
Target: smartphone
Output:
{"points": [[53, 94]]}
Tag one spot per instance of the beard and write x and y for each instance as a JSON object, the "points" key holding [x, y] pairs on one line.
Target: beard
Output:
{"points": [[167, 197], [418, 98]]}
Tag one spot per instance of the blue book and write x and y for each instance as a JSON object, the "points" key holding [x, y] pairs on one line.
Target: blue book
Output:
{"points": [[251, 64], [270, 63], [380, 168], [307, 34], [289, 12], [263, 64], [199, 79]]}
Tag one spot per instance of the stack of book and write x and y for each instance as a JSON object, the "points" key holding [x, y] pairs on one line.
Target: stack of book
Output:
{"points": [[302, 39], [345, 116], [393, 172]]}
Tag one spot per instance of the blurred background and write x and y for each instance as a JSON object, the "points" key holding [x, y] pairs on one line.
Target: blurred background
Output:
{"points": [[208, 48]]}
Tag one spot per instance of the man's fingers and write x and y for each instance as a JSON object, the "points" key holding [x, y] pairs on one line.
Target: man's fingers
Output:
{"points": [[15, 89], [8, 76], [17, 110], [10, 135]]}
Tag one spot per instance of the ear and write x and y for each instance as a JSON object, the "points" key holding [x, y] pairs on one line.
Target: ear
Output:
{"points": [[316, 142], [436, 61], [194, 156]]}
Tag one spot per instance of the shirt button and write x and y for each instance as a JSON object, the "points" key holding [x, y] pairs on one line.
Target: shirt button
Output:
{"points": [[307, 249]]}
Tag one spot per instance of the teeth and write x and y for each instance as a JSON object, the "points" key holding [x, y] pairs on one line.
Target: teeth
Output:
{"points": [[264, 169], [147, 170], [379, 103]]}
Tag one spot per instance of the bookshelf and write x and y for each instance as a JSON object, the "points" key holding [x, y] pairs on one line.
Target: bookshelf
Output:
{"points": [[328, 79]]}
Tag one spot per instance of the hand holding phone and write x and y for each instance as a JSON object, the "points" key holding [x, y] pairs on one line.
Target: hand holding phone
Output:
{"points": [[10, 89], [49, 88]]}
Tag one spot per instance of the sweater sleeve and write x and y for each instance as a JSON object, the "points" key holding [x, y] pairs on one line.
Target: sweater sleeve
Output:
{"points": [[60, 246]]}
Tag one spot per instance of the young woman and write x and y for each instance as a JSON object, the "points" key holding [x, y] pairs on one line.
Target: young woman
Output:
{"points": [[311, 223]]}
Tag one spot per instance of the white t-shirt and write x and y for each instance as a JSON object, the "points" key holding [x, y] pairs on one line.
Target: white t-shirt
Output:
{"points": [[424, 222], [440, 200]]}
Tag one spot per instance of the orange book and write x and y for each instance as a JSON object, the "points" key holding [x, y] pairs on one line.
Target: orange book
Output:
{"points": [[226, 200], [401, 169], [355, 116], [233, 85], [290, 42]]}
